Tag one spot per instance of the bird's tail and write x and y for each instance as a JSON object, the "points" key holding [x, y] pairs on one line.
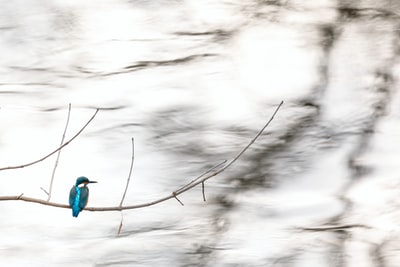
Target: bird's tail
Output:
{"points": [[75, 212]]}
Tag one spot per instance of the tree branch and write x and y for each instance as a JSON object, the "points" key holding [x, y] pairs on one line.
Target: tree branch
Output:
{"points": [[127, 185], [54, 151], [58, 154], [202, 175], [200, 180], [130, 173]]}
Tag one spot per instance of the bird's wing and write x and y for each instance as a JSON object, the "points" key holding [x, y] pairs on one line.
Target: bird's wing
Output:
{"points": [[72, 195], [84, 197]]}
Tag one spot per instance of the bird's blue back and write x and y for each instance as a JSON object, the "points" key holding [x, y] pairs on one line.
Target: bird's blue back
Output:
{"points": [[78, 199]]}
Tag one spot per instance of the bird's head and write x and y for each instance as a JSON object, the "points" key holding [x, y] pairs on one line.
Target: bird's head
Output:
{"points": [[83, 180]]}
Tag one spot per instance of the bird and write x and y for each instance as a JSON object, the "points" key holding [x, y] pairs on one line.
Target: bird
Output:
{"points": [[79, 195]]}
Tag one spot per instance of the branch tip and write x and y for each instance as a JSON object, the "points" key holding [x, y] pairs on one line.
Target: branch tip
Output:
{"points": [[120, 228], [202, 189], [44, 190], [130, 172]]}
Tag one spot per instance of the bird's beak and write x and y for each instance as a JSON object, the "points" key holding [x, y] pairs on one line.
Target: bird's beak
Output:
{"points": [[92, 182]]}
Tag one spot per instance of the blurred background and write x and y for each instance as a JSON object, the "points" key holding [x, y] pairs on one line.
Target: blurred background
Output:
{"points": [[193, 81]]}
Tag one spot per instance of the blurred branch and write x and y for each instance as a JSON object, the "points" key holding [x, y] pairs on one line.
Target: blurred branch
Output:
{"points": [[199, 180], [333, 227], [54, 151]]}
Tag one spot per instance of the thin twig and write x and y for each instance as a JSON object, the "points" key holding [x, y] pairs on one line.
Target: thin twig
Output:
{"points": [[127, 184], [44, 190], [58, 154], [177, 199], [202, 175], [184, 189], [252, 141], [130, 173], [120, 223], [202, 190], [151, 203], [54, 151]]}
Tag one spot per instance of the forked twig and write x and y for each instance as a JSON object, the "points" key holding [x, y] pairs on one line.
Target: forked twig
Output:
{"points": [[196, 179], [174, 194], [184, 189], [54, 151], [202, 175]]}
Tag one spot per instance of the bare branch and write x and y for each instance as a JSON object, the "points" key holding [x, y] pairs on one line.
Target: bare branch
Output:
{"points": [[54, 151], [58, 154], [252, 141], [130, 172], [174, 194], [202, 175], [127, 184], [191, 185]]}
